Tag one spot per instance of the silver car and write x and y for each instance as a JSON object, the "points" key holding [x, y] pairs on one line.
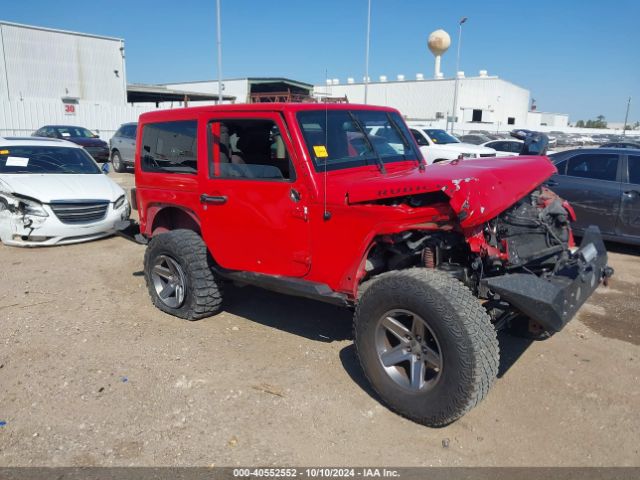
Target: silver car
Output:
{"points": [[123, 146]]}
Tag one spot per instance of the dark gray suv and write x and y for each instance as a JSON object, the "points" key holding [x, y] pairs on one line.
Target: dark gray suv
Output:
{"points": [[123, 146], [603, 187]]}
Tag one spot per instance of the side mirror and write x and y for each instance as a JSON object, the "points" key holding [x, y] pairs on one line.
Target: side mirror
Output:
{"points": [[105, 168], [95, 135]]}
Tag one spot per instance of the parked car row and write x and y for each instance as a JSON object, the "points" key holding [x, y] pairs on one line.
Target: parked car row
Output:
{"points": [[120, 149], [597, 181]]}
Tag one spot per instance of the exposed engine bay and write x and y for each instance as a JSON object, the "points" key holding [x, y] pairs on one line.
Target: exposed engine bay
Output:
{"points": [[530, 240]]}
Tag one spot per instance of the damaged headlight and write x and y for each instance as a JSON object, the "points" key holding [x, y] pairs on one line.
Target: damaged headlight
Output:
{"points": [[119, 202], [22, 204]]}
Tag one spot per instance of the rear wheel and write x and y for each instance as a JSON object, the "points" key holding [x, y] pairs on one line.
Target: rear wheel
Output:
{"points": [[179, 277], [116, 161], [426, 345]]}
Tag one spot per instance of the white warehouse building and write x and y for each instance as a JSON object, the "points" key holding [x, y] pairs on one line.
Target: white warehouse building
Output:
{"points": [[50, 76], [484, 102]]}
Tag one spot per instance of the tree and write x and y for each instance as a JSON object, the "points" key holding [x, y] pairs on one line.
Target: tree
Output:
{"points": [[599, 122]]}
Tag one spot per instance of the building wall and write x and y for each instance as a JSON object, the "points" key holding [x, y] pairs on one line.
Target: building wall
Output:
{"points": [[433, 99], [48, 64], [23, 117]]}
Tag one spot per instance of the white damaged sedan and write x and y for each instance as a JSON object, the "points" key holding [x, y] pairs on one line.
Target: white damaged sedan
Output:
{"points": [[52, 193]]}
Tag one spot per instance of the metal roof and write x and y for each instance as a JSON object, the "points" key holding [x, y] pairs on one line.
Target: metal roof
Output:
{"points": [[55, 30], [254, 80], [160, 93]]}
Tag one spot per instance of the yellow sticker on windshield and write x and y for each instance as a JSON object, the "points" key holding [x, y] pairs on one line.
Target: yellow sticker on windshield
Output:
{"points": [[4, 152], [320, 151]]}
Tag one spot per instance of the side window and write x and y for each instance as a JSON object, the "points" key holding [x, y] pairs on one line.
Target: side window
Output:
{"points": [[515, 147], [420, 140], [597, 166], [248, 148], [634, 169], [562, 167], [119, 132], [129, 131], [169, 147]]}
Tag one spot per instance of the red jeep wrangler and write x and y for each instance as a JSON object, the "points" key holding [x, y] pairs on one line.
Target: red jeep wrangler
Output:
{"points": [[335, 203]]}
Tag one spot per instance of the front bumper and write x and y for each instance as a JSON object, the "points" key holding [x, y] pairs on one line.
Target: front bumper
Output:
{"points": [[99, 154], [554, 300], [20, 230]]}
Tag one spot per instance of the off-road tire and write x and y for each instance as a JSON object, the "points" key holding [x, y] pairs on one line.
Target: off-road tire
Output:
{"points": [[202, 293], [467, 342], [117, 163]]}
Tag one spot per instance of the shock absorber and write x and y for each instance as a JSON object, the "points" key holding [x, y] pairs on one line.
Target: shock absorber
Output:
{"points": [[429, 259]]}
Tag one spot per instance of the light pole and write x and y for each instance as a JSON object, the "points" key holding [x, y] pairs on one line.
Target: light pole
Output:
{"points": [[219, 42], [366, 55], [626, 117], [455, 91]]}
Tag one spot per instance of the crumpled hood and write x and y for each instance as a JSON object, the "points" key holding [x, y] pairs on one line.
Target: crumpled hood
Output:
{"points": [[49, 187], [478, 189]]}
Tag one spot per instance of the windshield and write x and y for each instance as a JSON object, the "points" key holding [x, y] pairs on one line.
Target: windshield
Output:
{"points": [[39, 159], [73, 132], [440, 136], [350, 138]]}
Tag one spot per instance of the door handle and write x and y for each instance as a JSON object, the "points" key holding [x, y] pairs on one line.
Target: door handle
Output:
{"points": [[632, 193], [551, 183], [213, 199]]}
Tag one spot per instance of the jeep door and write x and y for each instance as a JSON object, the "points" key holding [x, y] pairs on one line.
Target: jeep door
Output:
{"points": [[254, 208]]}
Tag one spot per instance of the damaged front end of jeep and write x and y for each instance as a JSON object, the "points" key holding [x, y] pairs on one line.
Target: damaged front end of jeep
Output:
{"points": [[522, 263]]}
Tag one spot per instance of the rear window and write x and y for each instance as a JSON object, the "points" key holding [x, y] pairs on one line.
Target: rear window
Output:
{"points": [[49, 160], [169, 147]]}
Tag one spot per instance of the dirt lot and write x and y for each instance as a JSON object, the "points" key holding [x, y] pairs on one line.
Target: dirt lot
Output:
{"points": [[92, 374]]}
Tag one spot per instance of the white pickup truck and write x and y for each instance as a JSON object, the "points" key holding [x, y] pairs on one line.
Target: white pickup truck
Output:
{"points": [[437, 145]]}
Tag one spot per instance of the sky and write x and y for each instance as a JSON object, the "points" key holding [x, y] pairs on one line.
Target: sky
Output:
{"points": [[576, 57]]}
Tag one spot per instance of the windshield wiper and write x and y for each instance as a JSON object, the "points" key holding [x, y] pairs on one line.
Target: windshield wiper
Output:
{"points": [[379, 161]]}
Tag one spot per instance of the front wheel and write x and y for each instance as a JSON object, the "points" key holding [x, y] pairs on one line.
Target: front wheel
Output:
{"points": [[177, 269], [426, 345], [116, 161]]}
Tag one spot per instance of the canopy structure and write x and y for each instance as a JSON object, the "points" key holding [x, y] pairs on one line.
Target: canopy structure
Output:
{"points": [[138, 93]]}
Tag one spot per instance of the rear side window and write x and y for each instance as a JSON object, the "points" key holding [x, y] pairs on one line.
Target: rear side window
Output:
{"points": [[634, 169], [599, 166], [129, 131], [169, 147], [515, 147]]}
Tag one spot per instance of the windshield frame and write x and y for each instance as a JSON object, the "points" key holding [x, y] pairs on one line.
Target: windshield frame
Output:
{"points": [[374, 157], [30, 152]]}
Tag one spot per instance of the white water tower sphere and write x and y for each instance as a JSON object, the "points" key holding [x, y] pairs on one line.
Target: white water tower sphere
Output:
{"points": [[438, 42]]}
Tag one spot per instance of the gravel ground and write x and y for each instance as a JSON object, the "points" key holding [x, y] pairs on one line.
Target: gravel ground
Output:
{"points": [[92, 374]]}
